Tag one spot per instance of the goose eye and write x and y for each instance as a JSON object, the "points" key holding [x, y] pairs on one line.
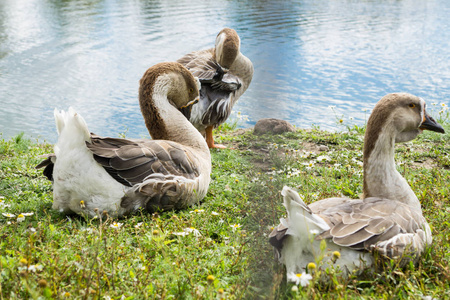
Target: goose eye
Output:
{"points": [[191, 90], [412, 105]]}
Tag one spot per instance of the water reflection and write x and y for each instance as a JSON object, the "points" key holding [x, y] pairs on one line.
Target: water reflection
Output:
{"points": [[307, 55]]}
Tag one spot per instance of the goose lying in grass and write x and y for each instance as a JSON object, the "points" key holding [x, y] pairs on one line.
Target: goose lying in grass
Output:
{"points": [[92, 174], [225, 74], [388, 220]]}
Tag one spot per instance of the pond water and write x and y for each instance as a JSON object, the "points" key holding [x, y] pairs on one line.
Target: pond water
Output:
{"points": [[308, 55]]}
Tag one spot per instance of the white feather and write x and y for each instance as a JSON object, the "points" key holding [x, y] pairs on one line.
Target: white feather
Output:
{"points": [[301, 247], [77, 175]]}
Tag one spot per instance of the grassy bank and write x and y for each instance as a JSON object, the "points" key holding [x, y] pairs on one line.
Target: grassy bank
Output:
{"points": [[217, 249]]}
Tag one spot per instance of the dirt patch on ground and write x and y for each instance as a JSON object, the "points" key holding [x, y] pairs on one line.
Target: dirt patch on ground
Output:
{"points": [[265, 151], [263, 160]]}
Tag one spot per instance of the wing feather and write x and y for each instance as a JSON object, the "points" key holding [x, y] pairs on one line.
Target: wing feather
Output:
{"points": [[364, 224], [217, 91], [130, 162], [201, 64]]}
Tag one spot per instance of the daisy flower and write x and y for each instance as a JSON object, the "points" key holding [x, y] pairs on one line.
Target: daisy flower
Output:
{"points": [[116, 225], [8, 215], [314, 232], [303, 279], [183, 233], [20, 218], [235, 226], [192, 230], [2, 203], [322, 158], [32, 268], [187, 231]]}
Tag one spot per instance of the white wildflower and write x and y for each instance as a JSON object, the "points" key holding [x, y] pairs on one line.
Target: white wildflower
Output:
{"points": [[8, 215], [303, 279], [2, 203], [32, 268], [183, 233], [192, 230], [87, 229], [314, 232], [20, 218], [116, 225], [323, 157], [235, 226]]}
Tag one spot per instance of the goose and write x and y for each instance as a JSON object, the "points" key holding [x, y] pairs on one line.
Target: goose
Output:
{"points": [[387, 220], [225, 74], [93, 174]]}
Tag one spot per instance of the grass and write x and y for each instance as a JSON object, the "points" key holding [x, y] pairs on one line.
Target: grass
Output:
{"points": [[218, 248]]}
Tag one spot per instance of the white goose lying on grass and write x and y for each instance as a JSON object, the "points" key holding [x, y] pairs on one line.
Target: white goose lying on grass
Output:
{"points": [[92, 174], [388, 220], [225, 74]]}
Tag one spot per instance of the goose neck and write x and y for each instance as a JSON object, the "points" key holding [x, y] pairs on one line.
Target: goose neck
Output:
{"points": [[165, 122], [381, 178]]}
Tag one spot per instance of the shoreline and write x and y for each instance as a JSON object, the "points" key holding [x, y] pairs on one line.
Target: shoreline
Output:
{"points": [[233, 222]]}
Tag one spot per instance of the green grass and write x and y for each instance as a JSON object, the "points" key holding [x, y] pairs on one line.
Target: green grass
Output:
{"points": [[52, 256]]}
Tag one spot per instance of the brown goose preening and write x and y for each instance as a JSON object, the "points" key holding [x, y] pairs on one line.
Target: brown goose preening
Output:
{"points": [[388, 219], [92, 174], [225, 74]]}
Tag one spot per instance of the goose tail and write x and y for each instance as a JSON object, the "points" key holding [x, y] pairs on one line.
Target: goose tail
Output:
{"points": [[302, 221], [71, 127]]}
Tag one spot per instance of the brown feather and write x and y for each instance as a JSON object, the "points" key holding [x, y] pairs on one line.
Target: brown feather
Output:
{"points": [[137, 159]]}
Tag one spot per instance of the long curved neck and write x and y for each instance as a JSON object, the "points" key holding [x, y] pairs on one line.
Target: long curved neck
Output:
{"points": [[381, 178], [243, 68], [164, 121]]}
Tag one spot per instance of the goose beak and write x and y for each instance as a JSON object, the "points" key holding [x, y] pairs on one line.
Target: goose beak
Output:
{"points": [[192, 102], [186, 110], [429, 123]]}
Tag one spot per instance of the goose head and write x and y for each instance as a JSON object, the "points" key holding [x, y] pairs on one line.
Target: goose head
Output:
{"points": [[396, 118], [227, 47], [401, 114], [166, 83]]}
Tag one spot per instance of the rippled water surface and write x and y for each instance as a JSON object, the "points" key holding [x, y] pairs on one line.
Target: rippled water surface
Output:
{"points": [[308, 55]]}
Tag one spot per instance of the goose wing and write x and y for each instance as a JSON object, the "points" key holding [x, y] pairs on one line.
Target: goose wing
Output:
{"points": [[161, 174], [48, 164], [390, 227], [131, 161], [203, 65], [217, 91]]}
